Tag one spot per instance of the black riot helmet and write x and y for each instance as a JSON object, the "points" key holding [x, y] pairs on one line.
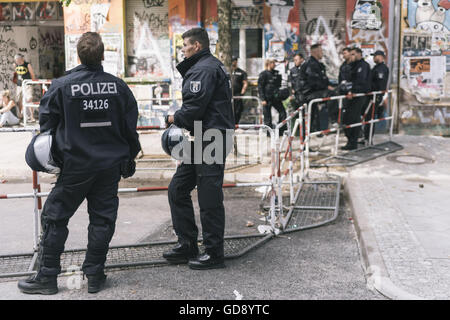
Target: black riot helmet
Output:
{"points": [[39, 155], [171, 137]]}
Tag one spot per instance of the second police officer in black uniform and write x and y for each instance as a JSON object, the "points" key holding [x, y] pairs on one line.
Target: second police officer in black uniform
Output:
{"points": [[269, 83], [360, 78], [207, 98], [240, 84], [380, 77], [316, 85], [295, 82], [93, 116]]}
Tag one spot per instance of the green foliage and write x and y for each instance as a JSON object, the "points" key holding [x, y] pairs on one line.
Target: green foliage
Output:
{"points": [[65, 3]]}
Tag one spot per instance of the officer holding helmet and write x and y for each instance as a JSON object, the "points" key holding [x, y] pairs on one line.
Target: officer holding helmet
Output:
{"points": [[207, 102], [92, 115]]}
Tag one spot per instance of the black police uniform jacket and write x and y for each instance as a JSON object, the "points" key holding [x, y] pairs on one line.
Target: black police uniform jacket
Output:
{"points": [[314, 76], [269, 83], [93, 115], [380, 76], [345, 72], [360, 76], [238, 76], [294, 79], [206, 93]]}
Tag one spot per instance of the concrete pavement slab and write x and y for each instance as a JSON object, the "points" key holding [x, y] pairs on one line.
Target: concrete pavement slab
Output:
{"points": [[402, 211]]}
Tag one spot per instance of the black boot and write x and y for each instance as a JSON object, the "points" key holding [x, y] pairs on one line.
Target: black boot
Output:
{"points": [[206, 261], [39, 284], [181, 253], [96, 282], [350, 146]]}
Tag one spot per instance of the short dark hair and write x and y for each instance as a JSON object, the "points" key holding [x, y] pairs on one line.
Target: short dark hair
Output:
{"points": [[315, 46], [299, 54], [358, 50], [197, 34], [90, 48], [347, 49]]}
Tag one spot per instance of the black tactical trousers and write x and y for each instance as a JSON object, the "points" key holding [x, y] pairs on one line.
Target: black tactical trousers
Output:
{"points": [[209, 179], [267, 112], [238, 105], [352, 114], [100, 190]]}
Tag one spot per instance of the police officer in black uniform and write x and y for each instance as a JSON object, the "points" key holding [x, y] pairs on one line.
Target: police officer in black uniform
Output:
{"points": [[93, 117], [269, 83], [295, 82], [346, 68], [360, 78], [316, 85], [240, 84], [380, 77], [207, 98]]}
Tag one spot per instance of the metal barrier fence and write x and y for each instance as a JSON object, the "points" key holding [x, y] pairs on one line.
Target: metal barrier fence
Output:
{"points": [[340, 126], [27, 96], [310, 203]]}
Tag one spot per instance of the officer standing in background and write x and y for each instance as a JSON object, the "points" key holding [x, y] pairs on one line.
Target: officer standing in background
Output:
{"points": [[346, 68], [269, 83], [316, 85], [240, 84], [93, 117], [360, 78], [295, 82], [207, 98], [380, 77]]}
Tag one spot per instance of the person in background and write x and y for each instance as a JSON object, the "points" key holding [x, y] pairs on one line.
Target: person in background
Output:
{"points": [[360, 78], [7, 117], [240, 84], [294, 81], [23, 71], [380, 77], [269, 83], [316, 85]]}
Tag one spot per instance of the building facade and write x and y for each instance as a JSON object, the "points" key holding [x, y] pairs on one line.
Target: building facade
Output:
{"points": [[143, 41]]}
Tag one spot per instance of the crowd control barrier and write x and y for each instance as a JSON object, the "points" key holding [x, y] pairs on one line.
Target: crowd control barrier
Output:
{"points": [[27, 95], [340, 126], [295, 197]]}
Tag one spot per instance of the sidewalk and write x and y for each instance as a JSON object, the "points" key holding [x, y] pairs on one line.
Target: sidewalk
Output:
{"points": [[400, 204], [402, 217]]}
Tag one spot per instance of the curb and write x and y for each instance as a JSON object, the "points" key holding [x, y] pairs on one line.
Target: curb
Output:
{"points": [[373, 262]]}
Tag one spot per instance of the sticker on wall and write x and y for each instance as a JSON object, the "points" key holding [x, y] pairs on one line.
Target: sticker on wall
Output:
{"points": [[367, 15]]}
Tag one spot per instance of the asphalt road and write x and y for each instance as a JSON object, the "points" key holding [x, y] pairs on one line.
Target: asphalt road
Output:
{"points": [[321, 263]]}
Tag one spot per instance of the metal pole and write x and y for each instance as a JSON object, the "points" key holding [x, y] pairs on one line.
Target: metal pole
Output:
{"points": [[372, 118], [338, 132], [394, 113]]}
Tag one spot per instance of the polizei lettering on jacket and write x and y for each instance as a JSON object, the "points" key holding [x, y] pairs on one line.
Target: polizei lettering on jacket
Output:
{"points": [[93, 88]]}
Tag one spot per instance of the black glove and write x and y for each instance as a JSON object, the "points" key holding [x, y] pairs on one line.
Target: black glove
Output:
{"points": [[127, 168]]}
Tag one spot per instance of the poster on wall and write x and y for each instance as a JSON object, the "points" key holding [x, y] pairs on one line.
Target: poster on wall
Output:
{"points": [[368, 23], [113, 62], [282, 29]]}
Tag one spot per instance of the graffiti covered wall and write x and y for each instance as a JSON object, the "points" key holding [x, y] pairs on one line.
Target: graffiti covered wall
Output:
{"points": [[425, 67], [148, 43], [324, 23]]}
